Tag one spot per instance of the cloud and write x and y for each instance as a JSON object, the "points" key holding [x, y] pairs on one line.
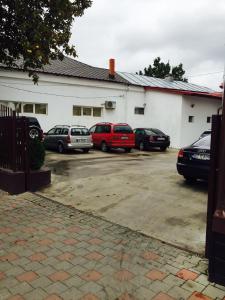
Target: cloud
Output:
{"points": [[191, 32]]}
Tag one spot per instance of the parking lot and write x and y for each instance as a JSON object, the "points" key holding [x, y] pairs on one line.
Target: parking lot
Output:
{"points": [[140, 190]]}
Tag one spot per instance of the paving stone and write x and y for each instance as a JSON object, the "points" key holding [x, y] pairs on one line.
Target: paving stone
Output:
{"points": [[187, 275], [57, 287], [90, 287], [197, 296], [193, 286], [159, 286], [37, 294], [72, 294], [143, 293], [163, 296], [21, 288], [213, 292], [41, 282], [178, 292], [156, 275]]}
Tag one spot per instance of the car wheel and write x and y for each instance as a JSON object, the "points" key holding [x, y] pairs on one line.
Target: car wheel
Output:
{"points": [[104, 147], [34, 132], [60, 148], [86, 150], [163, 148], [142, 146], [128, 150], [190, 179]]}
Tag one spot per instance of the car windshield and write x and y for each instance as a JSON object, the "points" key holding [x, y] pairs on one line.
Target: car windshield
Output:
{"points": [[204, 142], [122, 129], [79, 131]]}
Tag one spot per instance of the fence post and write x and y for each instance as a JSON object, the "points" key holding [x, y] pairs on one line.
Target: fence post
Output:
{"points": [[26, 155], [14, 142]]}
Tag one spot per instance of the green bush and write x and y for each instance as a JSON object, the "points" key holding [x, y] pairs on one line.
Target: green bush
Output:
{"points": [[36, 154]]}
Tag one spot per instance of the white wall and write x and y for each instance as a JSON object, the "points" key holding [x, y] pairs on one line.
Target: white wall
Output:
{"points": [[200, 108], [163, 111], [15, 86]]}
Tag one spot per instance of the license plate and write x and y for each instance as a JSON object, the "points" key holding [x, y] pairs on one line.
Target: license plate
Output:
{"points": [[201, 156], [161, 139], [124, 138], [81, 140]]}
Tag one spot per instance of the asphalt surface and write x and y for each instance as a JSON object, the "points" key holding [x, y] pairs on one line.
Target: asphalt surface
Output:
{"points": [[141, 191]]}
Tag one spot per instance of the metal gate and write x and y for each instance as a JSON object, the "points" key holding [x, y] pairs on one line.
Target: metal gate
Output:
{"points": [[13, 142], [215, 234]]}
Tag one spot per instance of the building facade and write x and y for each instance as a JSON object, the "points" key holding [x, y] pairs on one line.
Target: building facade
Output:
{"points": [[84, 95]]}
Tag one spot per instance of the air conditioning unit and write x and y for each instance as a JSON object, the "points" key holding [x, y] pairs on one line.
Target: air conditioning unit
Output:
{"points": [[110, 104]]}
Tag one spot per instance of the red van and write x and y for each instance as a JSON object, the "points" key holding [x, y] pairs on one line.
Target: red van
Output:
{"points": [[113, 135]]}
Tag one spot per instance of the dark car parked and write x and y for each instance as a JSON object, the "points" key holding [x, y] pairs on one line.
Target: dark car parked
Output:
{"points": [[146, 138], [193, 162]]}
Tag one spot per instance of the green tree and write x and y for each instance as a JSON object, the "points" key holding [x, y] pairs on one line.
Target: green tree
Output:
{"points": [[160, 69], [34, 32]]}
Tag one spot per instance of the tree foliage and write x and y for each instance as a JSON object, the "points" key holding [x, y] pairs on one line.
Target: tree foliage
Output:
{"points": [[32, 32], [160, 69]]}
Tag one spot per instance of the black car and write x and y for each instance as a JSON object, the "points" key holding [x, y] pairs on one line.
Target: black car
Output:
{"points": [[34, 130], [146, 138], [193, 162]]}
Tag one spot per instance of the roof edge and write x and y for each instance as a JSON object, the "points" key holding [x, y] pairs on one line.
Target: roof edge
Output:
{"points": [[215, 95]]}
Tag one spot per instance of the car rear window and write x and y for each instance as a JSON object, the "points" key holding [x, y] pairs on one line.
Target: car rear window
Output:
{"points": [[122, 129], [157, 131], [204, 142], [79, 131]]}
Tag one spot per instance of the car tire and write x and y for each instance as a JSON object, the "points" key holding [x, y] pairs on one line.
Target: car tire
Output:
{"points": [[104, 147], [60, 148], [163, 148], [127, 150], [142, 146], [34, 132], [86, 150], [190, 179]]}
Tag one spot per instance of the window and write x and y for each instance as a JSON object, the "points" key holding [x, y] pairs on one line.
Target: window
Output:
{"points": [[139, 110], [51, 131], [191, 119], [103, 129], [28, 108], [79, 131], [204, 142], [58, 131], [122, 129], [41, 109], [92, 130], [97, 111], [65, 131], [77, 110], [208, 119], [87, 111]]}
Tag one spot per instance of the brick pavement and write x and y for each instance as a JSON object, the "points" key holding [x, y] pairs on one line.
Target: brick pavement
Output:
{"points": [[51, 251]]}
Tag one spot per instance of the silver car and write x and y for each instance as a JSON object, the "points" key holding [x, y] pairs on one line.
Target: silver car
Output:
{"points": [[65, 137]]}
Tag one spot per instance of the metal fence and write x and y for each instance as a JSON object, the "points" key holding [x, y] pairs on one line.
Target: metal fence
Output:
{"points": [[13, 140]]}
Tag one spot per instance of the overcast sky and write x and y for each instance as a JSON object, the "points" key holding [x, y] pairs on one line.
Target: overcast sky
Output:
{"points": [[191, 32]]}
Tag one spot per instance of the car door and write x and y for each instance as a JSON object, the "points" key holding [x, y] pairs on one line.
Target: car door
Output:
{"points": [[139, 136], [98, 134], [48, 140], [92, 132], [57, 137]]}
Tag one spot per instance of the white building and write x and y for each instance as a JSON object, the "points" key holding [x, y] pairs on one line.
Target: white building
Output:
{"points": [[70, 92]]}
